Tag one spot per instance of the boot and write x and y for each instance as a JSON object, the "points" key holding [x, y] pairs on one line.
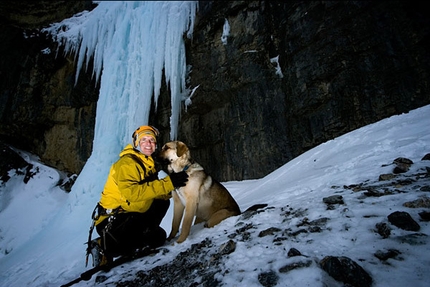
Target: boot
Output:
{"points": [[98, 255]]}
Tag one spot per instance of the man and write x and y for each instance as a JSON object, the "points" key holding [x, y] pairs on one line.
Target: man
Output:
{"points": [[134, 201]]}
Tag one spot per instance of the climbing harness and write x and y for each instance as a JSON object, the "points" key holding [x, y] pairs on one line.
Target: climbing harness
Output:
{"points": [[97, 212]]}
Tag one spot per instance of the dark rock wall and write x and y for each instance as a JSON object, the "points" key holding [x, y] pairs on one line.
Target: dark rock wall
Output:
{"points": [[33, 14], [345, 64], [41, 109]]}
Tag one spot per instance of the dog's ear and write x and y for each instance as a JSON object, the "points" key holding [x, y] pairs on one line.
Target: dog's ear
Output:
{"points": [[181, 149]]}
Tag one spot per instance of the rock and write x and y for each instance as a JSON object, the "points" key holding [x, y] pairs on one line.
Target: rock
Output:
{"points": [[387, 176], [251, 211], [227, 248], [295, 265], [385, 255], [401, 168], [334, 199], [30, 171], [426, 157], [413, 239], [425, 215], [268, 279], [37, 14], [68, 183], [10, 160], [403, 220], [423, 202], [402, 165], [319, 221], [403, 160], [375, 193], [256, 207], [269, 231], [383, 229], [293, 252], [346, 270]]}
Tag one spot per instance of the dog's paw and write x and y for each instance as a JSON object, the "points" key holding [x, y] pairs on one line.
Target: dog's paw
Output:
{"points": [[171, 236], [181, 239]]}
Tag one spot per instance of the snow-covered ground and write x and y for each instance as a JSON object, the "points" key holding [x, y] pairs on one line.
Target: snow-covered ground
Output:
{"points": [[43, 229]]}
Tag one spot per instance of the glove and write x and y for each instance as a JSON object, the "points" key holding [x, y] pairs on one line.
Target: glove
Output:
{"points": [[179, 178]]}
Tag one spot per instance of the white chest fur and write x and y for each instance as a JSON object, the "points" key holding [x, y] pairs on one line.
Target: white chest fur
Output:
{"points": [[180, 193]]}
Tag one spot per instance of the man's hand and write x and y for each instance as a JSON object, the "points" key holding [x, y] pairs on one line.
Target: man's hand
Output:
{"points": [[179, 178]]}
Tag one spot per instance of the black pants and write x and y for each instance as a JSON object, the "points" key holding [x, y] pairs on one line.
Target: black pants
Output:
{"points": [[124, 232]]}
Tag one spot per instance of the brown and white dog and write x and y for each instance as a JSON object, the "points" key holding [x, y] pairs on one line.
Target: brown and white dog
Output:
{"points": [[202, 196]]}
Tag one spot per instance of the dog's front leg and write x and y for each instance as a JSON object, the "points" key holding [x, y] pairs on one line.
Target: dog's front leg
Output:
{"points": [[178, 210], [190, 211]]}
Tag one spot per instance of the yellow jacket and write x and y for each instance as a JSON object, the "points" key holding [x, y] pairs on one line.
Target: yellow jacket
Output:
{"points": [[126, 186]]}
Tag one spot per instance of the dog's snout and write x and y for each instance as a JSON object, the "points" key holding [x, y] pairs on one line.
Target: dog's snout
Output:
{"points": [[162, 159]]}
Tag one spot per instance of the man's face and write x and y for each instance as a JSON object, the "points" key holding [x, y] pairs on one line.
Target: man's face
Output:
{"points": [[147, 145]]}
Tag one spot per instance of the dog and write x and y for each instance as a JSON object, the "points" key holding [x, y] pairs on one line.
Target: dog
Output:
{"points": [[202, 197]]}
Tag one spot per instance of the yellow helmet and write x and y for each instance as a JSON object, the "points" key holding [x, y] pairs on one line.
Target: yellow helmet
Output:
{"points": [[144, 131]]}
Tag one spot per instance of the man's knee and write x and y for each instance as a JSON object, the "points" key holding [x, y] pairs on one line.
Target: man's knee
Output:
{"points": [[160, 205], [156, 237]]}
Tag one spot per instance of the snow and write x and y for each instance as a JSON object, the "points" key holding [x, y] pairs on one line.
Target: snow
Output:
{"points": [[275, 62], [225, 32], [43, 229]]}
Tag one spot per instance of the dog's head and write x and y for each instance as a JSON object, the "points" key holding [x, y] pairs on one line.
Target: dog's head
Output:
{"points": [[174, 156]]}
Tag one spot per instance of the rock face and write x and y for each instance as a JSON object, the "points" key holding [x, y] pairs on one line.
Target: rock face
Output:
{"points": [[344, 65], [287, 77], [41, 110]]}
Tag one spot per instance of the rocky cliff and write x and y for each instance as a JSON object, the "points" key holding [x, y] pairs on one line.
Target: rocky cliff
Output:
{"points": [[344, 65], [289, 76], [41, 110]]}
